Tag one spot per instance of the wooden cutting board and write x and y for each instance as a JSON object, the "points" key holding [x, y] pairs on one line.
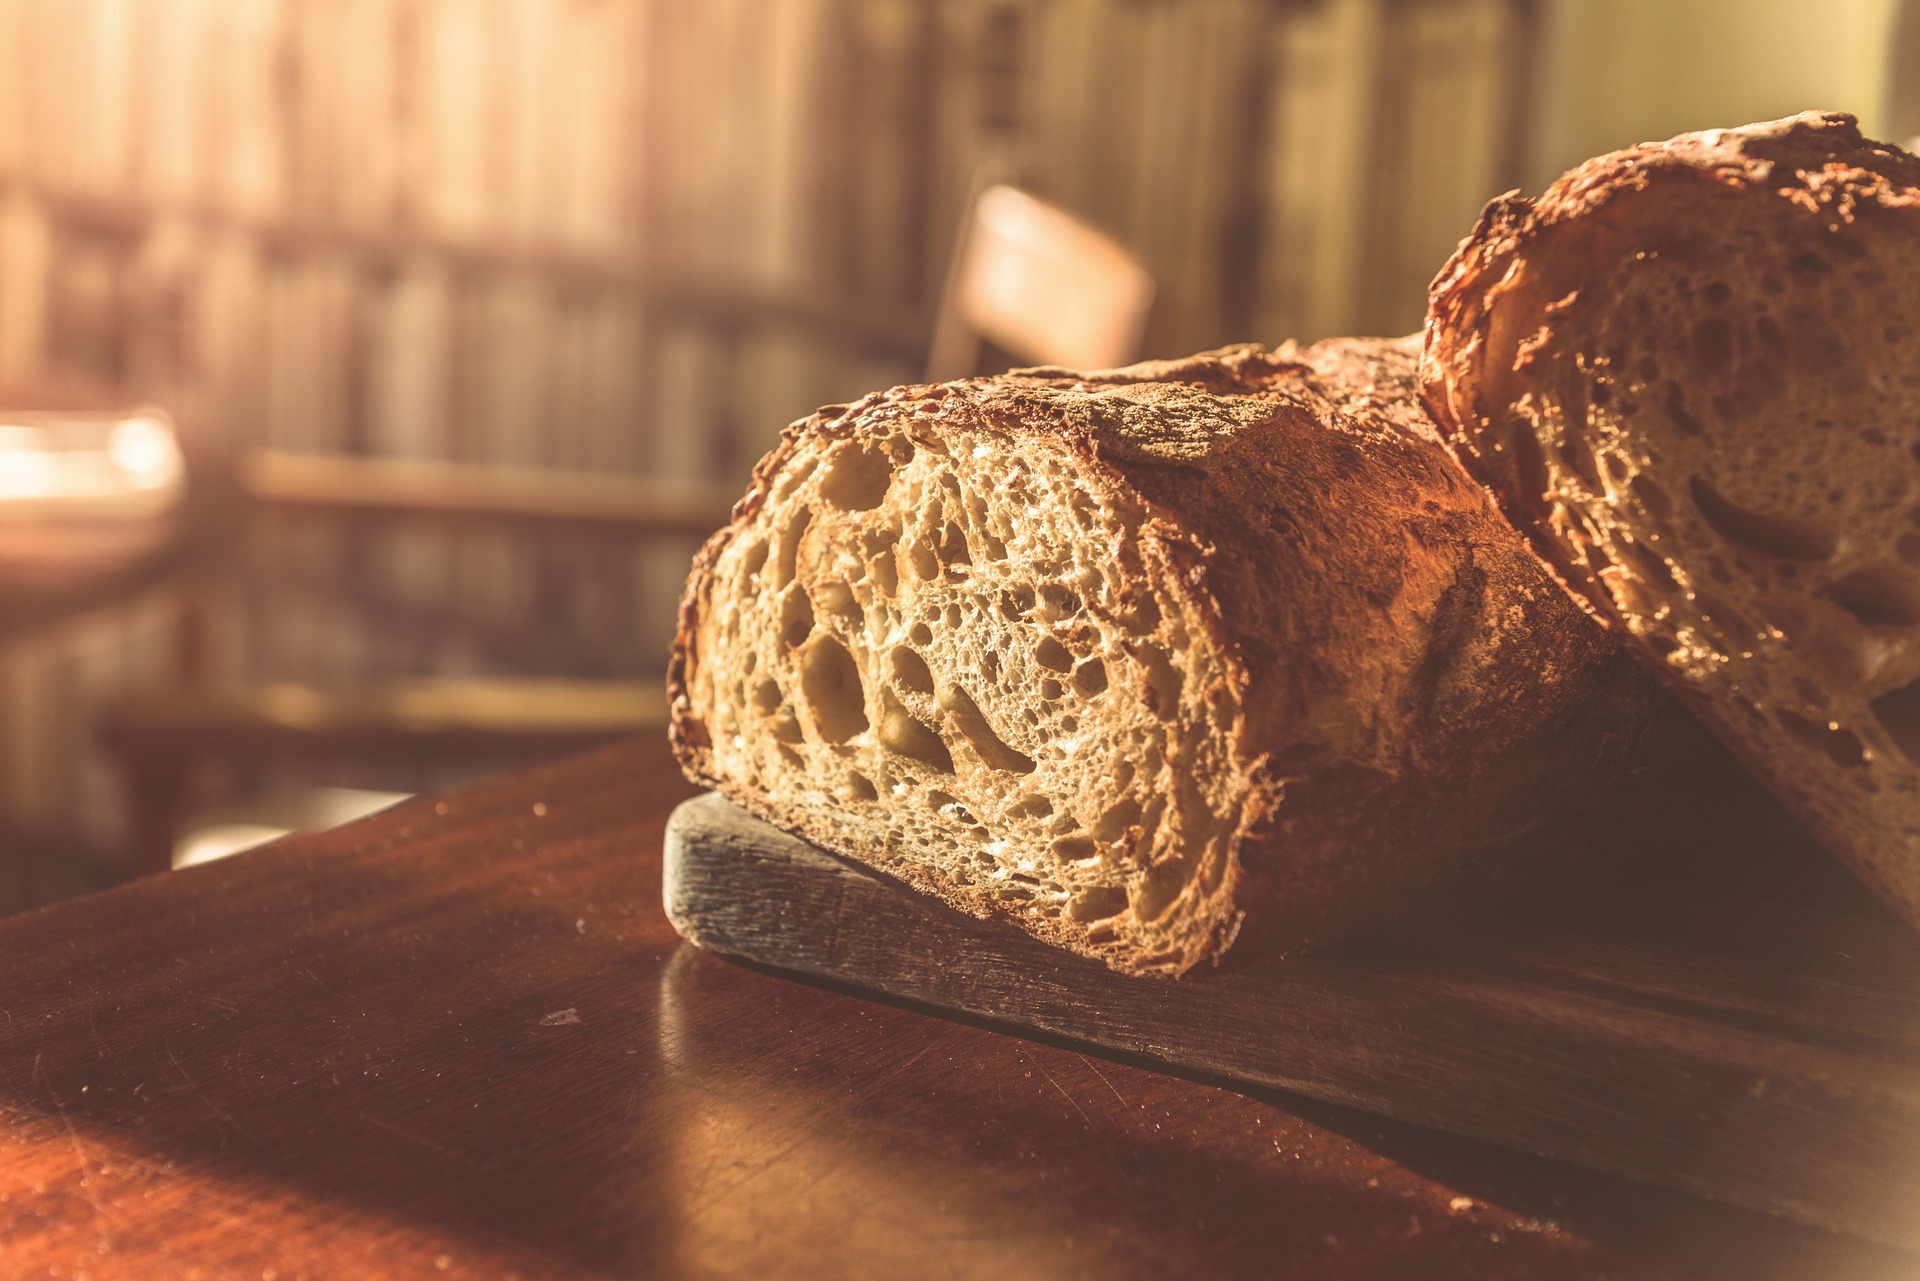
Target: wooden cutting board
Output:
{"points": [[1754, 1038]]}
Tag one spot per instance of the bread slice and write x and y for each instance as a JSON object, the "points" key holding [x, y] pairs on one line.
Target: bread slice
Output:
{"points": [[1131, 657], [1691, 373]]}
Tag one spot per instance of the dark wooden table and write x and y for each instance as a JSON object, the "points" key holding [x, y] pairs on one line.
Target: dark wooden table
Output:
{"points": [[459, 1038]]}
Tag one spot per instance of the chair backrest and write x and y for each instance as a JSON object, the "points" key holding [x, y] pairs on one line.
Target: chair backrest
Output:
{"points": [[1041, 285]]}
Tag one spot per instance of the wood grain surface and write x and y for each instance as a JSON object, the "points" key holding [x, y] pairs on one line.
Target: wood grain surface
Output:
{"points": [[461, 1039]]}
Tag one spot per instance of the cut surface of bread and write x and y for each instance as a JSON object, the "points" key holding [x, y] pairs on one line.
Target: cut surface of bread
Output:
{"points": [[1691, 373], [1134, 657]]}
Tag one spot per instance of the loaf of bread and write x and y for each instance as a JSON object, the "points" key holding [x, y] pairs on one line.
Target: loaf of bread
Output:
{"points": [[1134, 658], [1691, 373]]}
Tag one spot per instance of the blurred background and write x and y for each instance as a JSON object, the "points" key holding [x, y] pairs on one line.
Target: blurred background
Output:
{"points": [[469, 313]]}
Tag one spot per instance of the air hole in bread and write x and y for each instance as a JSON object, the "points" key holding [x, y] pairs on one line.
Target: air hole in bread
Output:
{"points": [[1058, 602], [785, 726], [972, 724], [830, 683], [1163, 678], [1031, 805], [837, 601], [857, 476], [1782, 536], [1120, 816], [950, 806], [1090, 678], [1899, 714], [884, 572], [1885, 595], [1075, 849], [1727, 621], [1735, 407], [1841, 746], [910, 671], [1652, 496], [1712, 345], [1052, 655], [796, 616], [1159, 889], [900, 732], [953, 546], [861, 788], [766, 697], [1653, 569], [1574, 453], [1098, 904], [1677, 411], [1818, 343], [1530, 466], [790, 538]]}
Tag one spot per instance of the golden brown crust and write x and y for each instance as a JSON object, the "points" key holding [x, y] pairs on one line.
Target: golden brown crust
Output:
{"points": [[1495, 305], [1414, 709]]}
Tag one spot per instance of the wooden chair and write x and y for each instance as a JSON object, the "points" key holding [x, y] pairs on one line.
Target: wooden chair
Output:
{"points": [[1039, 284]]}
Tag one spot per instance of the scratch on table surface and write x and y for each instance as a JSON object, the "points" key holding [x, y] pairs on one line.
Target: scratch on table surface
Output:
{"points": [[1095, 1069], [512, 1177], [725, 1175], [1063, 1092], [200, 1096], [93, 1030], [213, 1214], [41, 1079], [314, 979], [421, 1141], [925, 1049]]}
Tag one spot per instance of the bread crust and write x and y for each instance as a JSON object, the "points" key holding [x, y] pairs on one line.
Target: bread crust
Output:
{"points": [[1616, 475], [1496, 305], [1415, 712]]}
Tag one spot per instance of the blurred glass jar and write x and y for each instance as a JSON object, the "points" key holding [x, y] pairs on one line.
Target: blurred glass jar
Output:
{"points": [[84, 493]]}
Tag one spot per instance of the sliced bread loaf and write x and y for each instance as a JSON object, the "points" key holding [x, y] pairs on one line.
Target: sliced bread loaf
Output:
{"points": [[1691, 373], [1133, 657]]}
